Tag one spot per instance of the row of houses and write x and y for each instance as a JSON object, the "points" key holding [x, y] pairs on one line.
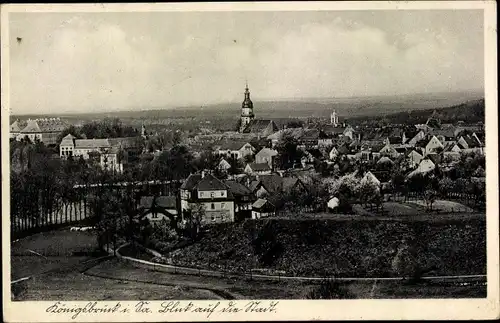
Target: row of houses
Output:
{"points": [[45, 130]]}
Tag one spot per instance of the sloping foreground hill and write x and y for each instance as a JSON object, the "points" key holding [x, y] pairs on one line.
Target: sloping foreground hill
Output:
{"points": [[342, 248]]}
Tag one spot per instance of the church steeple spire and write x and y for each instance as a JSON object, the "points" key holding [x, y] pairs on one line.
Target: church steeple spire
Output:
{"points": [[246, 109]]}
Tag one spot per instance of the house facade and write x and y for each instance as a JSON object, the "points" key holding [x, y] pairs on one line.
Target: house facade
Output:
{"points": [[257, 169], [266, 155], [206, 192], [433, 146], [235, 149], [262, 208]]}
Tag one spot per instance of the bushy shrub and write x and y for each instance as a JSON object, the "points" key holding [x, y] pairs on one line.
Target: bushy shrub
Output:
{"points": [[330, 289]]}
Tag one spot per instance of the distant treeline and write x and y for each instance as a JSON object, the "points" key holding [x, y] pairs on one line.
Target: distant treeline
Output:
{"points": [[469, 112]]}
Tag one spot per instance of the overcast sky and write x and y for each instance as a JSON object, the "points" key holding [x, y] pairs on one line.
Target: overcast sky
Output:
{"points": [[118, 61]]}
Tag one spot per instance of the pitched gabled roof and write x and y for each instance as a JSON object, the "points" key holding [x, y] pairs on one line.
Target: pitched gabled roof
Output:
{"points": [[69, 137], [290, 182], [262, 204], [92, 143], [384, 160], [413, 152], [292, 132], [435, 158], [191, 182], [310, 134], [447, 133], [471, 141], [125, 142], [259, 167], [237, 189], [31, 127], [272, 182], [253, 185], [17, 126], [267, 151], [44, 125], [259, 125], [449, 145], [232, 144], [210, 182]]}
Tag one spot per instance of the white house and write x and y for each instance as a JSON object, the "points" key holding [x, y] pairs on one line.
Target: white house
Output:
{"points": [[433, 146], [235, 148], [425, 166], [206, 192], [262, 208], [257, 169], [333, 153], [452, 150], [388, 150], [369, 177], [414, 158], [223, 166], [266, 155]]}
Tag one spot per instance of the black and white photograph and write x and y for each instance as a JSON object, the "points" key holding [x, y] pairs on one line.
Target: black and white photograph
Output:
{"points": [[228, 155]]}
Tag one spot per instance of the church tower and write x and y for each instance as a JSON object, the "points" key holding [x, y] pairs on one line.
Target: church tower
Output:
{"points": [[246, 110], [334, 119]]}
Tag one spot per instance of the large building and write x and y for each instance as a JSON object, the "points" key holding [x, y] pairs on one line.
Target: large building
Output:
{"points": [[248, 124], [45, 130], [111, 153]]}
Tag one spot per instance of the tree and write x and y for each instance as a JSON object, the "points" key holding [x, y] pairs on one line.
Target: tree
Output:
{"points": [[295, 124], [288, 153], [397, 181], [403, 263], [429, 197], [194, 218], [367, 192]]}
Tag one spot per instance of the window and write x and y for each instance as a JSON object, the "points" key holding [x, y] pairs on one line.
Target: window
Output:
{"points": [[222, 205], [221, 193], [201, 194], [213, 218], [212, 206], [212, 194]]}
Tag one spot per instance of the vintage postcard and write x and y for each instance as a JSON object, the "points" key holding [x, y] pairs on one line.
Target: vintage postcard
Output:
{"points": [[250, 161]]}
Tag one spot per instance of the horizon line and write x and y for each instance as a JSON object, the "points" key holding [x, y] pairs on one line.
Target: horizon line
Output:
{"points": [[283, 99]]}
